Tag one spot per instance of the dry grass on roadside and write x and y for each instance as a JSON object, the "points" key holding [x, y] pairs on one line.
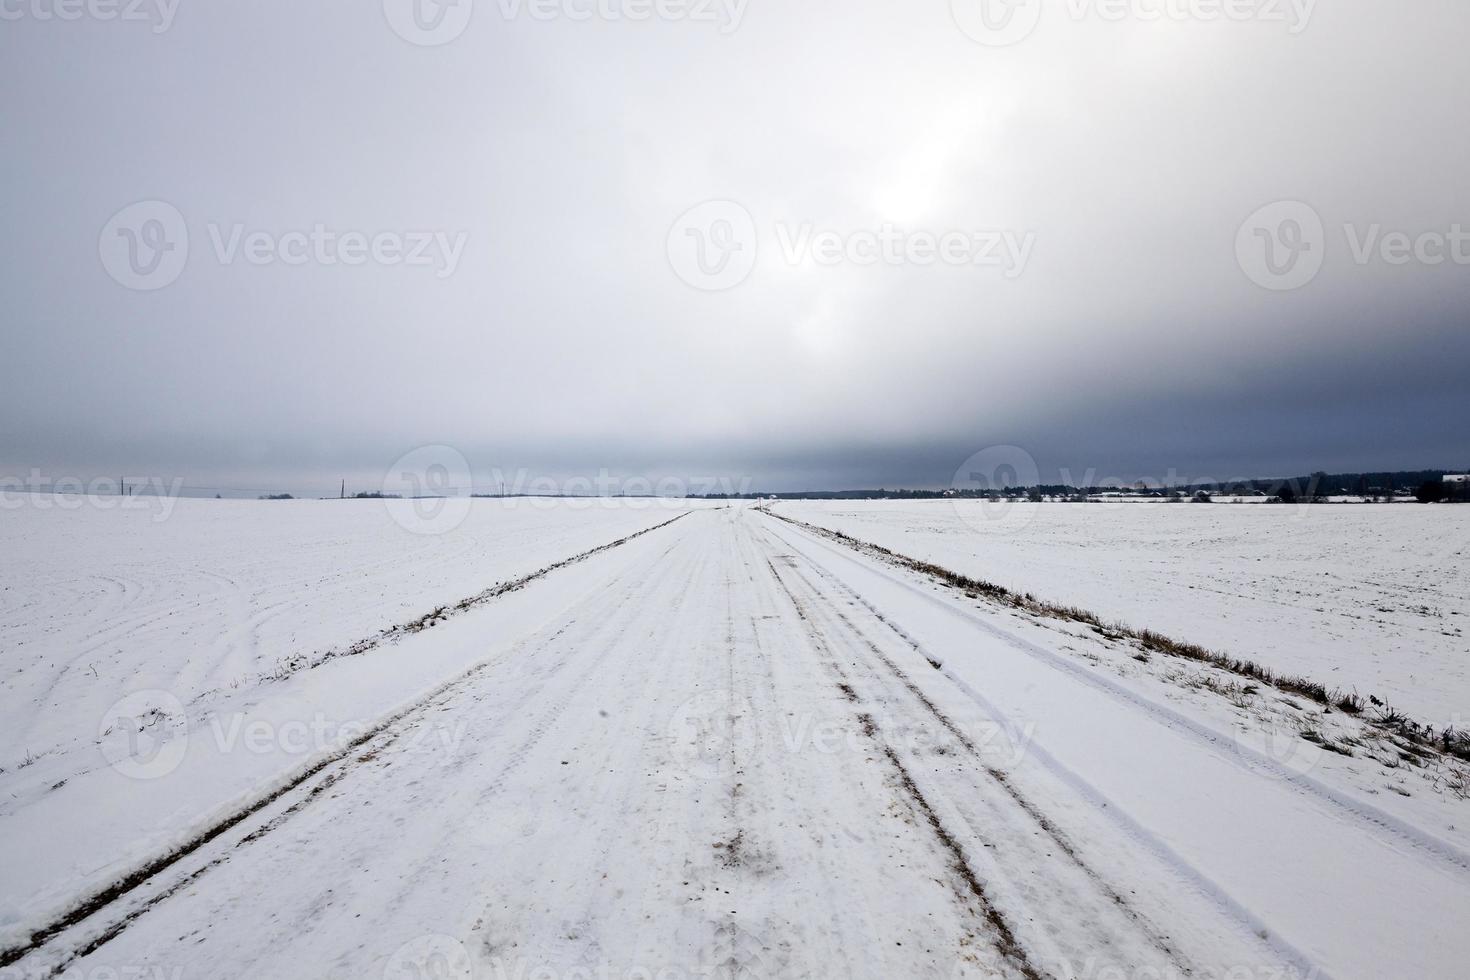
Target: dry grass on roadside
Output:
{"points": [[1450, 741]]}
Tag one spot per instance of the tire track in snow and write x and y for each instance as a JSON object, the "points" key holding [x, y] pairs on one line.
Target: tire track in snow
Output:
{"points": [[825, 884], [606, 796], [997, 776], [966, 881]]}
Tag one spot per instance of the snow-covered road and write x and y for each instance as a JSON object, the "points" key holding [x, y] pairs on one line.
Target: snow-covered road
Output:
{"points": [[753, 753]]}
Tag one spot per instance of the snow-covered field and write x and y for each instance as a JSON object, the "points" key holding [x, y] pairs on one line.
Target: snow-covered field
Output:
{"points": [[101, 597], [1372, 598], [730, 746]]}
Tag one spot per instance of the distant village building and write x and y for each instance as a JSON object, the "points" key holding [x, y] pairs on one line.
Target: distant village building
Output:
{"points": [[1457, 487]]}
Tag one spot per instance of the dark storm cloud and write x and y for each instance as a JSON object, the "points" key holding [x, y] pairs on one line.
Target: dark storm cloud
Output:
{"points": [[393, 245]]}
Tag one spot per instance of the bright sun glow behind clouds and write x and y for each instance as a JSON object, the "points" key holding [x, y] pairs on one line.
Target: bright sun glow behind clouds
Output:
{"points": [[566, 152]]}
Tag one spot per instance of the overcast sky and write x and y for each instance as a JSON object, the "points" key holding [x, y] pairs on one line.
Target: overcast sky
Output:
{"points": [[479, 228]]}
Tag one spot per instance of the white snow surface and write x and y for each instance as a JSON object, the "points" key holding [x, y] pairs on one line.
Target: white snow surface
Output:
{"points": [[1367, 598], [100, 597], [729, 747]]}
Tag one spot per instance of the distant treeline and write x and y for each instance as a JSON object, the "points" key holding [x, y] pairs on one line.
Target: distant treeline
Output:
{"points": [[1424, 484], [1331, 484]]}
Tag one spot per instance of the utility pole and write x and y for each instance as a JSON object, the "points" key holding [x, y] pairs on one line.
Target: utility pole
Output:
{"points": [[344, 490]]}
